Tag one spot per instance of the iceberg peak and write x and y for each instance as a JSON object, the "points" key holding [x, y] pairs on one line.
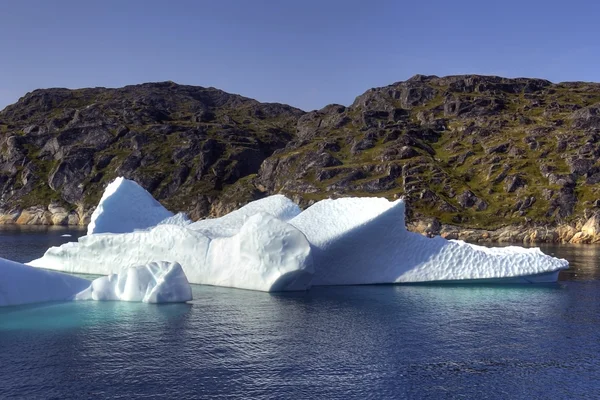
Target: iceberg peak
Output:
{"points": [[124, 207]]}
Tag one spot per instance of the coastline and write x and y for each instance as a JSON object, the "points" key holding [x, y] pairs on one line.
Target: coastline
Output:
{"points": [[580, 232], [51, 215]]}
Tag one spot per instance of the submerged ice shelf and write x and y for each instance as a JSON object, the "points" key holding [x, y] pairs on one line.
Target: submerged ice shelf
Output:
{"points": [[270, 245]]}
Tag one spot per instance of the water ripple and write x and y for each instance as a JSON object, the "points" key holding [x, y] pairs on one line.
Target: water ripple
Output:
{"points": [[335, 343]]}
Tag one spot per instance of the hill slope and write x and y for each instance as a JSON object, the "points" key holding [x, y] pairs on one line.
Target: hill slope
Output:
{"points": [[475, 151], [184, 144], [470, 150]]}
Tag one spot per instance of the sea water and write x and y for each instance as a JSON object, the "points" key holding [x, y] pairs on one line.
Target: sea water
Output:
{"points": [[408, 341]]}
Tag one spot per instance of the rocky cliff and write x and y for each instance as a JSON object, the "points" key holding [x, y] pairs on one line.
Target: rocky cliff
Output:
{"points": [[474, 152]]}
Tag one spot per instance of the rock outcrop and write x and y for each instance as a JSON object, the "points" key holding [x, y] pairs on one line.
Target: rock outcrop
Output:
{"points": [[577, 232]]}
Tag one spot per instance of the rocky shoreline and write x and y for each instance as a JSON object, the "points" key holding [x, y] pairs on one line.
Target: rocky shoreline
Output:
{"points": [[51, 215], [582, 231]]}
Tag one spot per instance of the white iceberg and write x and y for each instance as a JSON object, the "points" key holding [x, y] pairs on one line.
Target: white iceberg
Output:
{"points": [[155, 282], [270, 245], [264, 254], [22, 284], [124, 207], [180, 219], [277, 206], [364, 241]]}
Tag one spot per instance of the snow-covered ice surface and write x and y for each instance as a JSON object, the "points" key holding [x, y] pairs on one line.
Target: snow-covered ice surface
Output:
{"points": [[265, 254], [124, 207], [364, 241], [22, 284], [155, 282], [180, 219], [270, 245], [277, 206]]}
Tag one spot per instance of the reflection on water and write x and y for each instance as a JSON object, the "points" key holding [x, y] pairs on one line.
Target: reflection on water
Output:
{"points": [[584, 260]]}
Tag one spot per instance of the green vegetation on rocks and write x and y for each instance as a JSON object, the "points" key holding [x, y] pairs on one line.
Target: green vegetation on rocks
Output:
{"points": [[472, 151]]}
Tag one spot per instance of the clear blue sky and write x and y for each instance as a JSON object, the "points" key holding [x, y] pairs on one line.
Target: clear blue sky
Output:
{"points": [[307, 53]]}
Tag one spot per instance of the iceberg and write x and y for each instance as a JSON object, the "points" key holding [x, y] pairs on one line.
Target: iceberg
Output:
{"points": [[265, 254], [180, 219], [124, 207], [271, 245], [364, 241], [156, 282], [22, 284], [277, 206]]}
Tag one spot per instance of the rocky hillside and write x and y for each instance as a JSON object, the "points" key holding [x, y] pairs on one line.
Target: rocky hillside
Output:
{"points": [[186, 145], [470, 150], [473, 151]]}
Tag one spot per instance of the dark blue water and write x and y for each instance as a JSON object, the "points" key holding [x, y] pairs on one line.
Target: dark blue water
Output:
{"points": [[433, 342], [24, 243]]}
